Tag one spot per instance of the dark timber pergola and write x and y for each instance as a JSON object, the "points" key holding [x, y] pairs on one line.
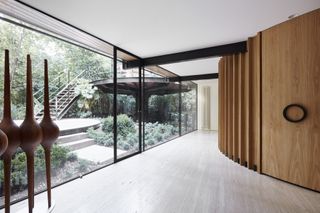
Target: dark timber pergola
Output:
{"points": [[152, 86]]}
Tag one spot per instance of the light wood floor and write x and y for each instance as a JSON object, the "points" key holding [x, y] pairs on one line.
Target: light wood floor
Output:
{"points": [[186, 175]]}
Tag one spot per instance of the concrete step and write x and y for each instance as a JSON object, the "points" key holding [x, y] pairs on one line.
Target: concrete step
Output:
{"points": [[79, 144], [72, 137]]}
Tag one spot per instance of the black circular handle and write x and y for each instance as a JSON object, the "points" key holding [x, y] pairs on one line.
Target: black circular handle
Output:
{"points": [[285, 113]]}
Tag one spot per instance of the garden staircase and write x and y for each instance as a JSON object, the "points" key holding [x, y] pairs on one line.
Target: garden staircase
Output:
{"points": [[61, 97], [60, 104], [75, 141]]}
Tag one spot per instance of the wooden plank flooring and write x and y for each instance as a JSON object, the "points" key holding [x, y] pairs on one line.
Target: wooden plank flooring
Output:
{"points": [[185, 175]]}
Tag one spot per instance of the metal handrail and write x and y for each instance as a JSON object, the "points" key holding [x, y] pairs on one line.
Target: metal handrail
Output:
{"points": [[55, 98], [58, 107], [40, 93]]}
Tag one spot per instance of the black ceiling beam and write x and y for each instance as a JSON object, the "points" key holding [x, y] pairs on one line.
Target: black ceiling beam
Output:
{"points": [[216, 51], [194, 77]]}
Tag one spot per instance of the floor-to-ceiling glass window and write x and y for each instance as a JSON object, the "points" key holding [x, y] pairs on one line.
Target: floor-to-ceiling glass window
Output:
{"points": [[79, 105], [128, 90], [161, 109], [188, 107]]}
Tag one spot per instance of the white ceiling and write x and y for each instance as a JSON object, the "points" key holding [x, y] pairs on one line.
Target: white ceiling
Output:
{"points": [[155, 27], [197, 67]]}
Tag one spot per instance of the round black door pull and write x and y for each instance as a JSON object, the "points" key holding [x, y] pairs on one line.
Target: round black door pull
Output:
{"points": [[300, 107]]}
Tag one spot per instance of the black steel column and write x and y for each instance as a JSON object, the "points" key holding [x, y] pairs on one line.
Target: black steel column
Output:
{"points": [[139, 109], [115, 111], [143, 108]]}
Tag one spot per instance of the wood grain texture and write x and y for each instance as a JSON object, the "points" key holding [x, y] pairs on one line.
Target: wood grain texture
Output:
{"points": [[230, 105], [225, 105], [254, 102], [291, 74], [235, 106], [242, 129], [247, 108], [220, 119]]}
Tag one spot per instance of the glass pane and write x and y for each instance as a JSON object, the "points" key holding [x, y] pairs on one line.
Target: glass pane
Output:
{"points": [[80, 104], [161, 109], [188, 107], [128, 91]]}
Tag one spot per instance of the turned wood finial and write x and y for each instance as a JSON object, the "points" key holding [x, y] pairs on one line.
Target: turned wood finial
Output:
{"points": [[31, 135], [50, 132], [11, 130]]}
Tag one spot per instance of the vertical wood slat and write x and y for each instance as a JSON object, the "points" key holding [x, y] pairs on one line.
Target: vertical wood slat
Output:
{"points": [[235, 106], [246, 106], [226, 126], [254, 102], [240, 107], [225, 106], [238, 110], [242, 110], [230, 106]]}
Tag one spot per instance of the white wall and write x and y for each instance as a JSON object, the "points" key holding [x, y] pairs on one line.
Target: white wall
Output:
{"points": [[213, 84]]}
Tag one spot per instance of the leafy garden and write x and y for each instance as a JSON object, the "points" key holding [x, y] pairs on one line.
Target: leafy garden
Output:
{"points": [[61, 158], [127, 130]]}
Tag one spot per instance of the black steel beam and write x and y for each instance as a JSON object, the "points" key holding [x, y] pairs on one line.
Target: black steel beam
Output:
{"points": [[216, 51], [194, 77]]}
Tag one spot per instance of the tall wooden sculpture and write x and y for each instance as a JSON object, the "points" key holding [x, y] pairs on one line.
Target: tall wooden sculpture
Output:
{"points": [[11, 130], [3, 142], [31, 135], [50, 132]]}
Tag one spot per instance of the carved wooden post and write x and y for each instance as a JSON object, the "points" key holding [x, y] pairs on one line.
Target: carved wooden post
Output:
{"points": [[11, 130], [31, 135], [50, 132]]}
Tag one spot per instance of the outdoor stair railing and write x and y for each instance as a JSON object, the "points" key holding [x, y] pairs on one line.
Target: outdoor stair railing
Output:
{"points": [[60, 97], [62, 93]]}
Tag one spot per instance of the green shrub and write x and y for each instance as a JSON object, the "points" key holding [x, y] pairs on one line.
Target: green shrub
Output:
{"points": [[83, 167], [59, 156], [128, 136], [72, 157], [107, 124], [125, 125], [157, 132], [150, 142], [157, 135]]}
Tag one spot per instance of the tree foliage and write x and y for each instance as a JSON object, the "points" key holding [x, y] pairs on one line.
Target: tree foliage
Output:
{"points": [[64, 59]]}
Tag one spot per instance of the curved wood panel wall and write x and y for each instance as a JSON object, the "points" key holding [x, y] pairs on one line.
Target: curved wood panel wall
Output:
{"points": [[239, 90], [281, 67]]}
